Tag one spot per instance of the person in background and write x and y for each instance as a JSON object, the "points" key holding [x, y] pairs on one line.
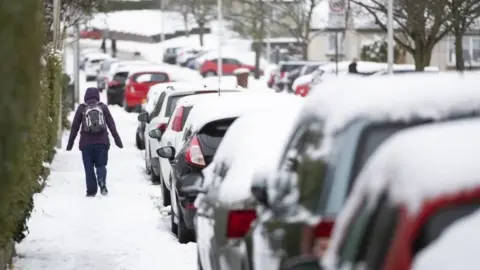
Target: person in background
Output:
{"points": [[352, 68], [93, 117]]}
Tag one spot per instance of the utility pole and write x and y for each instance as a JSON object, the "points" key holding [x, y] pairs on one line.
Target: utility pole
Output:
{"points": [[390, 41], [162, 21], [220, 42]]}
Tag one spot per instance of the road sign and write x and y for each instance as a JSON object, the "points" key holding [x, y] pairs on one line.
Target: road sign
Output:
{"points": [[336, 14]]}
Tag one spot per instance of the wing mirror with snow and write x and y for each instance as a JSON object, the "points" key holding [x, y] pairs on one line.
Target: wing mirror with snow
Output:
{"points": [[167, 152], [259, 190], [143, 117]]}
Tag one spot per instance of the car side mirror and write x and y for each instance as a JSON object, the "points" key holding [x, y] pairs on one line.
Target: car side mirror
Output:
{"points": [[167, 152], [302, 263], [143, 117], [191, 183], [155, 134], [259, 191]]}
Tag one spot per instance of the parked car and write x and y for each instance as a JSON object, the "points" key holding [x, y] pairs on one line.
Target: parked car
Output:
{"points": [[280, 77], [340, 127], [225, 206], [92, 65], [91, 33], [83, 55], [159, 118], [138, 84], [408, 198], [185, 54], [192, 61], [147, 107], [102, 76], [209, 67], [170, 55], [116, 87]]}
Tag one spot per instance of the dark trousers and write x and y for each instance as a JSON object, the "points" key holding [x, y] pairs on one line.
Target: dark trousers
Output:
{"points": [[95, 156]]}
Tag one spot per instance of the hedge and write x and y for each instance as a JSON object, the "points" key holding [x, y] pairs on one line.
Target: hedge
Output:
{"points": [[28, 113]]}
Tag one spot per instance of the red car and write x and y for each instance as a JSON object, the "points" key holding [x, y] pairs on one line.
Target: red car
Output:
{"points": [[91, 34], [137, 87], [209, 67]]}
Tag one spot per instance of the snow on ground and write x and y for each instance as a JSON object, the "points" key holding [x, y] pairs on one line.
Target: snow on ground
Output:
{"points": [[124, 230]]}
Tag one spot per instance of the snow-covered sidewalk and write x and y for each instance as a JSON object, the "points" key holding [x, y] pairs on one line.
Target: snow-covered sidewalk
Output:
{"points": [[123, 230]]}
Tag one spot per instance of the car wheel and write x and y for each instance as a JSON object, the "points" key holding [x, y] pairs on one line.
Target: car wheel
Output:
{"points": [[109, 99], [148, 169], [140, 145], [154, 178], [173, 225], [210, 74], [167, 199], [183, 233]]}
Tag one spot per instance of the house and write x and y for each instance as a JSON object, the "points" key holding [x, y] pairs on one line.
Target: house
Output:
{"points": [[359, 32]]}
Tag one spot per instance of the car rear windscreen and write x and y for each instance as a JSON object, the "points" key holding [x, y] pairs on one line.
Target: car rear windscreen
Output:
{"points": [[290, 67], [171, 103], [120, 77], [440, 221], [211, 135]]}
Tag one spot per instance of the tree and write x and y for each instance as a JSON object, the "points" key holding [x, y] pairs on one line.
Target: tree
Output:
{"points": [[183, 7], [420, 24], [250, 18], [377, 52], [203, 12], [71, 12], [463, 15], [296, 16]]}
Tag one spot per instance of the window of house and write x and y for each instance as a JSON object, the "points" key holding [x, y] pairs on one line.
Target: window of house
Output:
{"points": [[471, 51], [331, 43]]}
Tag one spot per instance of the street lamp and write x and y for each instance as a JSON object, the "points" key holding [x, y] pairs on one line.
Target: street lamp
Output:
{"points": [[220, 41], [390, 40]]}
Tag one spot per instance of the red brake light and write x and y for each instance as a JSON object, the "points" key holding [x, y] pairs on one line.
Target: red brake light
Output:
{"points": [[194, 153], [177, 120], [191, 206], [282, 73], [162, 127], [324, 229], [239, 222]]}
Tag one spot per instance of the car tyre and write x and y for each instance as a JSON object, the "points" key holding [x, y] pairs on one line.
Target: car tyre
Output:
{"points": [[154, 178], [140, 145], [148, 169], [199, 262], [183, 233], [209, 74], [173, 225], [167, 199]]}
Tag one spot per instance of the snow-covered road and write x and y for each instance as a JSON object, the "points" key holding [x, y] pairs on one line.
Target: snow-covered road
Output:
{"points": [[123, 231]]}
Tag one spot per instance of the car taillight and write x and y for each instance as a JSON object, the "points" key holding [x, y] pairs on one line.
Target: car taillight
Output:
{"points": [[282, 74], [194, 154], [239, 222], [190, 206], [322, 233], [177, 120], [162, 127]]}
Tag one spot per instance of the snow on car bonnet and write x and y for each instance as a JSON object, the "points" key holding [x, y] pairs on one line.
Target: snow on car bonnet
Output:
{"points": [[415, 165], [457, 247], [400, 97], [228, 106], [253, 145]]}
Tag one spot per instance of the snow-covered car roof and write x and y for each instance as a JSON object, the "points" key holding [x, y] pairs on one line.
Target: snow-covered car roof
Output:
{"points": [[124, 67], [229, 106], [394, 98], [456, 248], [253, 146], [416, 165], [97, 55], [196, 99]]}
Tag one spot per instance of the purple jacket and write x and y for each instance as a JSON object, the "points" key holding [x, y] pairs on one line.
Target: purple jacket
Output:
{"points": [[92, 95]]}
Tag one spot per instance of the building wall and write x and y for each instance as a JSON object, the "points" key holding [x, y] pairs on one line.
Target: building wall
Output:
{"points": [[318, 48]]}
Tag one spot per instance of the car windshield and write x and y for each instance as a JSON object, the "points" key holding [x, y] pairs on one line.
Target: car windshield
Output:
{"points": [[290, 67]]}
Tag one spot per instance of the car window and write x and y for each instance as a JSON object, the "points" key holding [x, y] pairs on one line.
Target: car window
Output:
{"points": [[171, 103], [354, 235], [150, 77], [302, 163], [310, 69], [159, 77], [96, 61], [141, 78], [120, 77], [377, 247], [158, 106], [211, 135], [441, 220], [289, 67]]}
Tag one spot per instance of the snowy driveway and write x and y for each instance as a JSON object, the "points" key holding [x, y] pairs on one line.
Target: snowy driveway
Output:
{"points": [[123, 231]]}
